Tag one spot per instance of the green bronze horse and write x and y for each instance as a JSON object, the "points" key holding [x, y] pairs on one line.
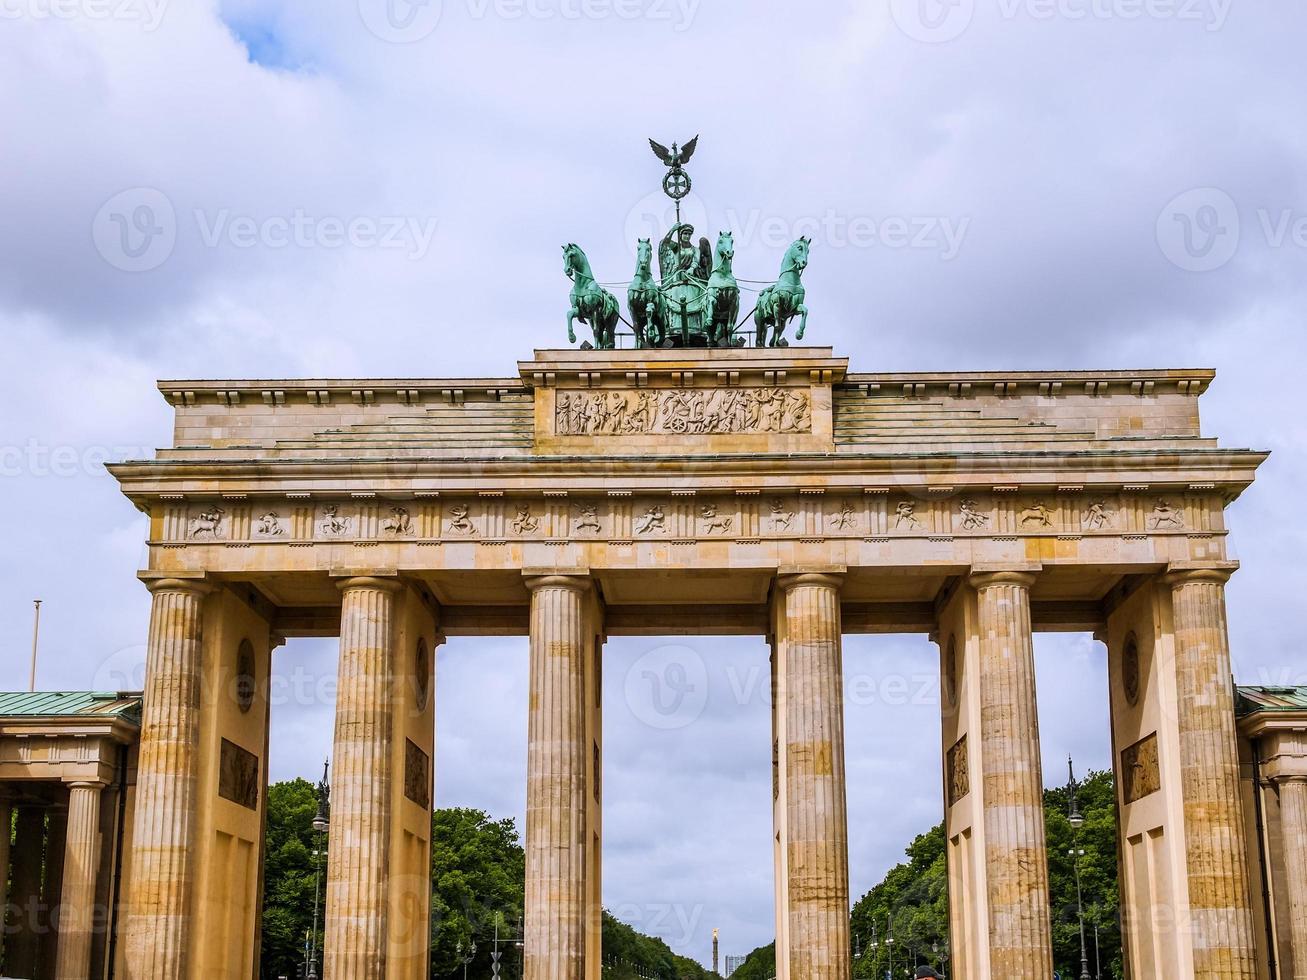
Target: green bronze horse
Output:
{"points": [[722, 307], [646, 301], [591, 303], [782, 302]]}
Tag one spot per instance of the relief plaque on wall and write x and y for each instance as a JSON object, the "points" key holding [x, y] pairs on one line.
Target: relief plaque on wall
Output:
{"points": [[238, 776], [417, 775], [1141, 771], [959, 772]]}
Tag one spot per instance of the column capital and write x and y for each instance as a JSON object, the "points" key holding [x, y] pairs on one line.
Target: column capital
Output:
{"points": [[574, 580], [1181, 573], [989, 576], [85, 784], [374, 582], [188, 584], [790, 579]]}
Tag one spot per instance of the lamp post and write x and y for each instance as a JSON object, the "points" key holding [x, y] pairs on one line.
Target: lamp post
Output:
{"points": [[321, 824], [465, 960], [1077, 821]]}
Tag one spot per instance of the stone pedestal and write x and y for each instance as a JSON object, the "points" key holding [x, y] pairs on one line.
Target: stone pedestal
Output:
{"points": [[77, 900], [558, 836], [1016, 855], [162, 876], [358, 864], [812, 808], [1220, 902]]}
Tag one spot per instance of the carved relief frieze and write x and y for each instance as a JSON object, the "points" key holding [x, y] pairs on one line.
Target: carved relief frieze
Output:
{"points": [[1141, 770], [971, 517], [959, 772], [399, 523], [683, 411], [906, 518], [687, 515], [208, 522], [458, 521], [1098, 517], [845, 519], [652, 522], [585, 520], [1164, 517], [333, 522], [269, 525], [713, 521]]}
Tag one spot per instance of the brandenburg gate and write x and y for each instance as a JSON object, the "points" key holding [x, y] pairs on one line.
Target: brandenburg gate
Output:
{"points": [[766, 491]]}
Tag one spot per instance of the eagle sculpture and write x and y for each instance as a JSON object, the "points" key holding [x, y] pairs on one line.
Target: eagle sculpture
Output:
{"points": [[676, 157]]}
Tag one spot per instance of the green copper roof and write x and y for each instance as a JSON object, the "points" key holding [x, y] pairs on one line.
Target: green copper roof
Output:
{"points": [[71, 704], [1254, 699]]}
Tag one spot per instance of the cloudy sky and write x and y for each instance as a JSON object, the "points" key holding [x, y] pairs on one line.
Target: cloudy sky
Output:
{"points": [[284, 188]]}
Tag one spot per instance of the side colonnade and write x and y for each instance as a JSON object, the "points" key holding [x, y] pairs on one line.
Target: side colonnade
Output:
{"points": [[1185, 878]]}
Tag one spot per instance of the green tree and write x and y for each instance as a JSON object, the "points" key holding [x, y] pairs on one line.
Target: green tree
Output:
{"points": [[290, 876], [912, 900], [759, 965], [479, 871]]}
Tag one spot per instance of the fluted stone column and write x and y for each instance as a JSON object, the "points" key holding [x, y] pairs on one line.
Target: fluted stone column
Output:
{"points": [[358, 855], [816, 809], [77, 899], [162, 880], [1220, 902], [557, 758], [1016, 855], [1293, 830], [22, 939]]}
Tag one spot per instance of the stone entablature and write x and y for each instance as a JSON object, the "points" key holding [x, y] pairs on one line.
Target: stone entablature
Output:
{"points": [[873, 514], [665, 402]]}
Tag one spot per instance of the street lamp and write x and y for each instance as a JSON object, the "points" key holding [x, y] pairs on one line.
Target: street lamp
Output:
{"points": [[465, 960], [1077, 821], [321, 824]]}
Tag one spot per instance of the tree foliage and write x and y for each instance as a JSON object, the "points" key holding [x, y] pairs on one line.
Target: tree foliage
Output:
{"points": [[759, 965], [478, 873], [911, 904]]}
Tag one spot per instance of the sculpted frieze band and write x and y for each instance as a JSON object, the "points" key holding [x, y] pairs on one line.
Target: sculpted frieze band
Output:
{"points": [[682, 411], [746, 515]]}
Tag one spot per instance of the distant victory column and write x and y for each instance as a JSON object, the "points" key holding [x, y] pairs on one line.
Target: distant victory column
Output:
{"points": [[714, 951]]}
